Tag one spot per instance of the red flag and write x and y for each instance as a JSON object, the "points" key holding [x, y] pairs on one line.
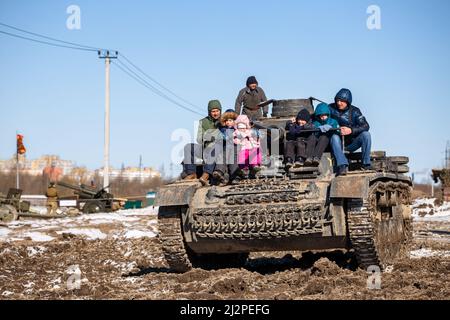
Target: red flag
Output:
{"points": [[20, 147]]}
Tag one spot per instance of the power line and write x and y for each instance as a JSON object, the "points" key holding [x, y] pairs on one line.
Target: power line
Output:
{"points": [[155, 90], [76, 46], [45, 42], [144, 83], [158, 83], [50, 38]]}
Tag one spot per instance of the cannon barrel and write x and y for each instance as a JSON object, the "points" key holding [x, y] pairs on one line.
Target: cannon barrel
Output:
{"points": [[82, 190]]}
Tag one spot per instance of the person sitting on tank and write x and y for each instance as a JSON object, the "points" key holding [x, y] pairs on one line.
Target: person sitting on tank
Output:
{"points": [[325, 124], [354, 129], [249, 98], [202, 152], [300, 140], [248, 144], [226, 162]]}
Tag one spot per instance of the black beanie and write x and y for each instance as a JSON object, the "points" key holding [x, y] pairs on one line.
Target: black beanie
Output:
{"points": [[304, 115], [251, 80]]}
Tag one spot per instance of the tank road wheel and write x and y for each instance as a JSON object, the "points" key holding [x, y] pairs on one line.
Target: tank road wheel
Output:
{"points": [[179, 256], [171, 238], [8, 213], [93, 207], [380, 228]]}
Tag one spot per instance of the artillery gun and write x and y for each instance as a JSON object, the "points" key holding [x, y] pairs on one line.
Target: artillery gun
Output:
{"points": [[90, 200], [12, 206], [309, 208]]}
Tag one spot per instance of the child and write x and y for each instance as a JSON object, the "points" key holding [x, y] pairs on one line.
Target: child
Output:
{"points": [[300, 143], [247, 140], [226, 165], [324, 123]]}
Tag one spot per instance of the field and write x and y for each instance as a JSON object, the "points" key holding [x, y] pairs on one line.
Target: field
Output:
{"points": [[117, 256]]}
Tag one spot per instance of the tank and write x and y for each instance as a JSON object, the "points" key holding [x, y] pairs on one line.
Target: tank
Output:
{"points": [[304, 209]]}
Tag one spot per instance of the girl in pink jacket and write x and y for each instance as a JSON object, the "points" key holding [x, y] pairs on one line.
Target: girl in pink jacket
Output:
{"points": [[247, 140]]}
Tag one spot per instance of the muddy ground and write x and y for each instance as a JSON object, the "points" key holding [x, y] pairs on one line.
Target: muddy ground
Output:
{"points": [[124, 263]]}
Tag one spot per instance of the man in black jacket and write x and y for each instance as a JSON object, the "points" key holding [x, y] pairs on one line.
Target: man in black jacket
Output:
{"points": [[355, 129]]}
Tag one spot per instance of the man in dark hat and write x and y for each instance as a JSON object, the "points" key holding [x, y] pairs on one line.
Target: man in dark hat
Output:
{"points": [[249, 98]]}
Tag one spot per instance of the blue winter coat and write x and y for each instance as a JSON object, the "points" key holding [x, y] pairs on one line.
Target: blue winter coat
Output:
{"points": [[321, 109], [351, 117]]}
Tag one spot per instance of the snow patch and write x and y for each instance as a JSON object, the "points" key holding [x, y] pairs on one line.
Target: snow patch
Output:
{"points": [[425, 210], [4, 232], [91, 234], [37, 236], [427, 253], [32, 251], [135, 234]]}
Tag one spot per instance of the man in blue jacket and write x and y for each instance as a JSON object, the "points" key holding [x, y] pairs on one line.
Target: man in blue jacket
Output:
{"points": [[354, 129]]}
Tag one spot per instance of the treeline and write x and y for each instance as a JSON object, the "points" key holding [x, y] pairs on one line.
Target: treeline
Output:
{"points": [[120, 187]]}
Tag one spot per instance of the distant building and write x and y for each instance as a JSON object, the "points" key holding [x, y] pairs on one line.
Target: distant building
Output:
{"points": [[37, 166], [52, 164], [131, 173]]}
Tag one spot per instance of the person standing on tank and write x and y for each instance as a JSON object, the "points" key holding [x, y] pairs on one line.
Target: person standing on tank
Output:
{"points": [[249, 98], [354, 130]]}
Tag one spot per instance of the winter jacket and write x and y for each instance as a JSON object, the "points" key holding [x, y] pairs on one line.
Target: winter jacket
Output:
{"points": [[227, 134], [250, 99], [295, 131], [351, 117], [322, 109], [247, 138], [208, 129]]}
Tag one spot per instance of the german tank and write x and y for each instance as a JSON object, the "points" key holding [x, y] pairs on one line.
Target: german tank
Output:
{"points": [[298, 210]]}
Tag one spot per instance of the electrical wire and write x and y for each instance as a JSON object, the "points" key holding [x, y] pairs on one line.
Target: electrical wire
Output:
{"points": [[144, 83], [130, 72], [50, 38], [158, 83], [45, 42]]}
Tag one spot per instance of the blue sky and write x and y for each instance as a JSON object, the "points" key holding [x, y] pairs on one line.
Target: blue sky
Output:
{"points": [[202, 50]]}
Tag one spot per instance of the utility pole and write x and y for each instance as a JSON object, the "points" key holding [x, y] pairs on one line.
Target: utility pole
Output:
{"points": [[140, 169], [107, 55], [447, 155]]}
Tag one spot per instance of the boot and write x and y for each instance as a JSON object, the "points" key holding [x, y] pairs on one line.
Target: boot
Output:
{"points": [[341, 171], [220, 178], [289, 163], [191, 176], [299, 162], [315, 161], [204, 179], [308, 162]]}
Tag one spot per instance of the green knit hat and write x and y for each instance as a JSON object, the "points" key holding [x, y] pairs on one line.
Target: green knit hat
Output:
{"points": [[214, 104]]}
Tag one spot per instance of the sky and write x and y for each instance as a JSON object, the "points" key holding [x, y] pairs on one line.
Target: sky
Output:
{"points": [[203, 50]]}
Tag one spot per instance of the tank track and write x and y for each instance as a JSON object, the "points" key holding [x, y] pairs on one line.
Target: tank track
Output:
{"points": [[362, 225], [256, 222], [171, 238]]}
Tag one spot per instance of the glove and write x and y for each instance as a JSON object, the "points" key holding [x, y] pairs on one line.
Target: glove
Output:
{"points": [[265, 114], [325, 128]]}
